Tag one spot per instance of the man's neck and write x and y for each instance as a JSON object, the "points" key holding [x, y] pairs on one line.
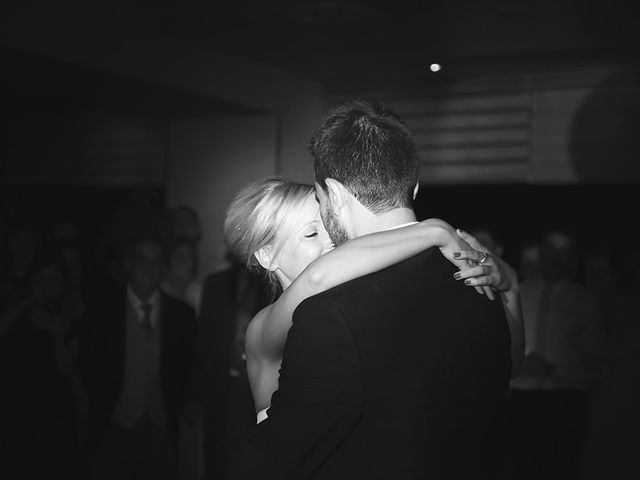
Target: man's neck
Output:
{"points": [[371, 223]]}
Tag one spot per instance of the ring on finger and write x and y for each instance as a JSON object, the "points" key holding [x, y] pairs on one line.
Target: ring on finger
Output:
{"points": [[485, 255]]}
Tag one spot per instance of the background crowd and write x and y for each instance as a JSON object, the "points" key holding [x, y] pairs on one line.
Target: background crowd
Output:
{"points": [[70, 407]]}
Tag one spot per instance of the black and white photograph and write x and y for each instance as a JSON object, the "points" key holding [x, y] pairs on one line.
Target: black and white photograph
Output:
{"points": [[319, 239]]}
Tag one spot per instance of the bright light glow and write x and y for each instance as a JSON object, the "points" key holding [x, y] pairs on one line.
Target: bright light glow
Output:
{"points": [[435, 67]]}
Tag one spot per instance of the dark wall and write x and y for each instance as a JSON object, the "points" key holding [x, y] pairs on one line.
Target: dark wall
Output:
{"points": [[517, 213]]}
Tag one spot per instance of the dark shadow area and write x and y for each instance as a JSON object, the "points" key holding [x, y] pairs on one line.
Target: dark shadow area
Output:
{"points": [[518, 213], [559, 429], [32, 81], [69, 259], [604, 138]]}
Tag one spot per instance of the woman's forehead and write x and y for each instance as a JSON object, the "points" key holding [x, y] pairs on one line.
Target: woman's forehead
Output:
{"points": [[307, 213]]}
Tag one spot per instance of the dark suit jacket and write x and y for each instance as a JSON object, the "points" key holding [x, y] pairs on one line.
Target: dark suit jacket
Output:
{"points": [[228, 405], [216, 328], [103, 357], [402, 374]]}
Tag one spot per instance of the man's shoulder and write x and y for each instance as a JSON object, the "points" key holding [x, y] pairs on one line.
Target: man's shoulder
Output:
{"points": [[416, 275], [426, 265], [423, 283]]}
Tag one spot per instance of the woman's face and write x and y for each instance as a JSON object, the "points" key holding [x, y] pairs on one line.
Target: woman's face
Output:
{"points": [[307, 242]]}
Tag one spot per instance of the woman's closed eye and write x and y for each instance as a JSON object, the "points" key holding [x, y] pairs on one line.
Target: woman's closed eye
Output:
{"points": [[311, 235]]}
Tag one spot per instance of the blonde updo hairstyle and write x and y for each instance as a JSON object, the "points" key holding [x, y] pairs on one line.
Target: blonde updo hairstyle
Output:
{"points": [[261, 217]]}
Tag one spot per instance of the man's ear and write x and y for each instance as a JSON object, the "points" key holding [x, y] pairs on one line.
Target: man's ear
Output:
{"points": [[265, 258], [336, 193], [415, 190]]}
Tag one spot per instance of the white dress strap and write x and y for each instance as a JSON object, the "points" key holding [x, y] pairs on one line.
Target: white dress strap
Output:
{"points": [[262, 415]]}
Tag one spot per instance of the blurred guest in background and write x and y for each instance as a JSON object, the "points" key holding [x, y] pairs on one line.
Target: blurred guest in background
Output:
{"points": [[529, 261], [139, 351], [563, 322], [180, 277], [565, 357], [140, 213], [230, 298], [613, 440], [183, 221], [18, 262], [599, 277], [41, 393]]}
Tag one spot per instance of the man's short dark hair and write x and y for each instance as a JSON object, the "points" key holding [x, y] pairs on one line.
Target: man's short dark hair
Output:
{"points": [[370, 150]]}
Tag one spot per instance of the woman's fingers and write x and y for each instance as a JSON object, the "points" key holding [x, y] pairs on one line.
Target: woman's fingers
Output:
{"points": [[477, 271], [467, 237], [481, 277], [486, 268], [489, 292], [483, 281], [484, 290], [473, 255], [473, 241]]}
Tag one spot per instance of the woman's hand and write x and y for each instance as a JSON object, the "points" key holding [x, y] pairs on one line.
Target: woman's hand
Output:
{"points": [[461, 253], [491, 271]]}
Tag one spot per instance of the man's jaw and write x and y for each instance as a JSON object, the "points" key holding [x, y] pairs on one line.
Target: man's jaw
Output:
{"points": [[335, 229]]}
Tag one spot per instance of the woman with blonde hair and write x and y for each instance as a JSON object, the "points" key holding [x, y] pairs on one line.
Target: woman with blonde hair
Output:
{"points": [[274, 227]]}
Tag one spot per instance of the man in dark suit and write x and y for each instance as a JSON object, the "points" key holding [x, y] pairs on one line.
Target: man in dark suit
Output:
{"points": [[401, 374], [138, 365], [230, 298]]}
